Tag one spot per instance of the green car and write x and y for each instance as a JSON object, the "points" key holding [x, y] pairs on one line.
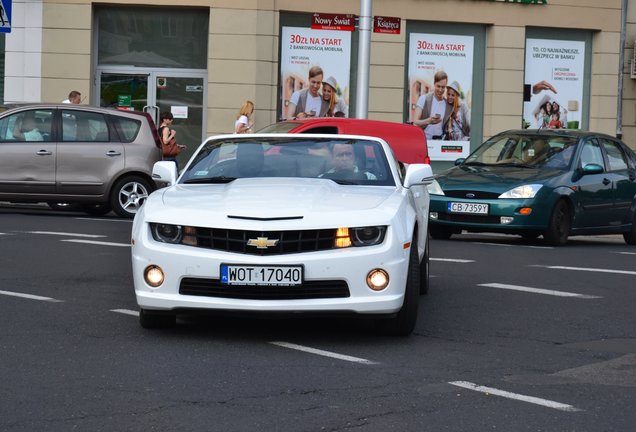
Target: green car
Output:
{"points": [[554, 183]]}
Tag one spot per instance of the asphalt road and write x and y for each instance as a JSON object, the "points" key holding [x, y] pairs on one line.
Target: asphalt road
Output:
{"points": [[513, 336]]}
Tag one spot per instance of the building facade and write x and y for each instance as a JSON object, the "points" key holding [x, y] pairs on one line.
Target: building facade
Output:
{"points": [[203, 59]]}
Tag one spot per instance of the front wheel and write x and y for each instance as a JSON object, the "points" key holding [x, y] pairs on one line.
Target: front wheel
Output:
{"points": [[424, 270], [630, 236], [559, 226], [404, 322], [440, 233], [129, 194]]}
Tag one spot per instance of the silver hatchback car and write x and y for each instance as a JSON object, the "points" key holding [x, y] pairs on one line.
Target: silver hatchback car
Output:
{"points": [[100, 159]]}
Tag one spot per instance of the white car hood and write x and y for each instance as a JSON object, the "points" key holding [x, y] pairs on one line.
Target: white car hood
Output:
{"points": [[316, 201]]}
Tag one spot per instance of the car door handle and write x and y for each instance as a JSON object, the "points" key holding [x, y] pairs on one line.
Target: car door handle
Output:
{"points": [[44, 153], [606, 181], [113, 153]]}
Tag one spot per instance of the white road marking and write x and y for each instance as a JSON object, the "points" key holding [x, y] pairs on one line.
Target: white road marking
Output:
{"points": [[29, 296], [502, 393], [126, 312], [513, 245], [597, 270], [539, 291], [104, 220], [493, 244], [452, 260], [97, 243], [324, 353], [626, 253], [66, 234]]}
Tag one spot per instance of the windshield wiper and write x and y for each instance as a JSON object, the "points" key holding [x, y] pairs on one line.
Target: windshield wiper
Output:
{"points": [[515, 164], [475, 163], [210, 180], [344, 182]]}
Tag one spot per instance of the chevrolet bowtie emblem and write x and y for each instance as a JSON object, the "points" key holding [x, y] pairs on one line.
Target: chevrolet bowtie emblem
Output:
{"points": [[262, 242]]}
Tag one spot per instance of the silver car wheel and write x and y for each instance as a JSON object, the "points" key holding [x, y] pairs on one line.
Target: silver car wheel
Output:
{"points": [[129, 195]]}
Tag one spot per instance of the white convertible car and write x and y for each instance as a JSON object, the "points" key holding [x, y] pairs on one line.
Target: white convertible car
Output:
{"points": [[285, 223]]}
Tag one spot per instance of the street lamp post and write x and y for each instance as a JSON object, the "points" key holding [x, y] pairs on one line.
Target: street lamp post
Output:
{"points": [[365, 26]]}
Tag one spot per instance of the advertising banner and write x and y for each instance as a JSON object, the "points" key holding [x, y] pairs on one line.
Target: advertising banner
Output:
{"points": [[304, 48], [554, 72], [436, 55]]}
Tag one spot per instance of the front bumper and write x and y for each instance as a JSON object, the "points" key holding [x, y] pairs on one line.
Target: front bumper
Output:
{"points": [[503, 215], [350, 265]]}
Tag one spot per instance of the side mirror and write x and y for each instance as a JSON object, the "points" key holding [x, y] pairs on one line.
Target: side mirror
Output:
{"points": [[592, 168], [165, 172], [418, 174], [460, 161]]}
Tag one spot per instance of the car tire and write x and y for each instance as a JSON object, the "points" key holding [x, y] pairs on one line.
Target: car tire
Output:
{"points": [[96, 209], [129, 194], [559, 226], [155, 319], [440, 233], [424, 269], [403, 323], [630, 236]]}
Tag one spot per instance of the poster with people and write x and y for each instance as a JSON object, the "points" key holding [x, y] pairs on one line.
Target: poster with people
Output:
{"points": [[440, 92], [554, 71], [315, 69]]}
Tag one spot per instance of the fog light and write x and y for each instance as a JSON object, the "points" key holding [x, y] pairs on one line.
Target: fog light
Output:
{"points": [[377, 279], [506, 219], [153, 276], [433, 215]]}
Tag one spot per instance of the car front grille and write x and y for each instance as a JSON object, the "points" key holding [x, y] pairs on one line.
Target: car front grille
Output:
{"points": [[468, 218], [289, 242], [308, 290], [471, 194]]}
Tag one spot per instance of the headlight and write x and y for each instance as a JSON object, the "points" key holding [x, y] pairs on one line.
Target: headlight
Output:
{"points": [[360, 236], [167, 233], [525, 191], [434, 188], [367, 236]]}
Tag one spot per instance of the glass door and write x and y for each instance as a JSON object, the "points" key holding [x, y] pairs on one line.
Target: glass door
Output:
{"points": [[124, 91], [183, 96], [180, 92]]}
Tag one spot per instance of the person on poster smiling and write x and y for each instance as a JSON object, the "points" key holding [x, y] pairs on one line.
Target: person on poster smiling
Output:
{"points": [[431, 110], [308, 102]]}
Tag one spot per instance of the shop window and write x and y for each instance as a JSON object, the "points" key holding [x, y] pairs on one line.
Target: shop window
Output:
{"points": [[152, 37]]}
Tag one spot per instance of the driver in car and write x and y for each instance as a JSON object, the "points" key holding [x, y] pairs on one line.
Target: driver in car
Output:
{"points": [[344, 165]]}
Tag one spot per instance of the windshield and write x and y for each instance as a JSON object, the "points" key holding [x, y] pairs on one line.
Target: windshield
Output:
{"points": [[281, 127], [544, 151], [345, 161]]}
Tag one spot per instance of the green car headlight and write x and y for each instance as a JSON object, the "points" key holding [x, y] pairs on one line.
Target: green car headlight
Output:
{"points": [[525, 191]]}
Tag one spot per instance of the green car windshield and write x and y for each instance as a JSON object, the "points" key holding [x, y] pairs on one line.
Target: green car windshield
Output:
{"points": [[532, 151]]}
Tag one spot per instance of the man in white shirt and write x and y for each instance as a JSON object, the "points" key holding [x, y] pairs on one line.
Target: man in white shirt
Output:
{"points": [[74, 97], [432, 111], [308, 102]]}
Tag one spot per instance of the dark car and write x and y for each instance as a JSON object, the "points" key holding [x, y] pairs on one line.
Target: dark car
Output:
{"points": [[96, 158], [408, 142], [554, 183]]}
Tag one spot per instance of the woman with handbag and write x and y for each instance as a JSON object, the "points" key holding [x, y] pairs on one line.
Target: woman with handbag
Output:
{"points": [[169, 138]]}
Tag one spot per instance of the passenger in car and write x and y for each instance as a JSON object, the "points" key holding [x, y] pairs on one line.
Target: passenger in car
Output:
{"points": [[534, 151], [27, 130]]}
